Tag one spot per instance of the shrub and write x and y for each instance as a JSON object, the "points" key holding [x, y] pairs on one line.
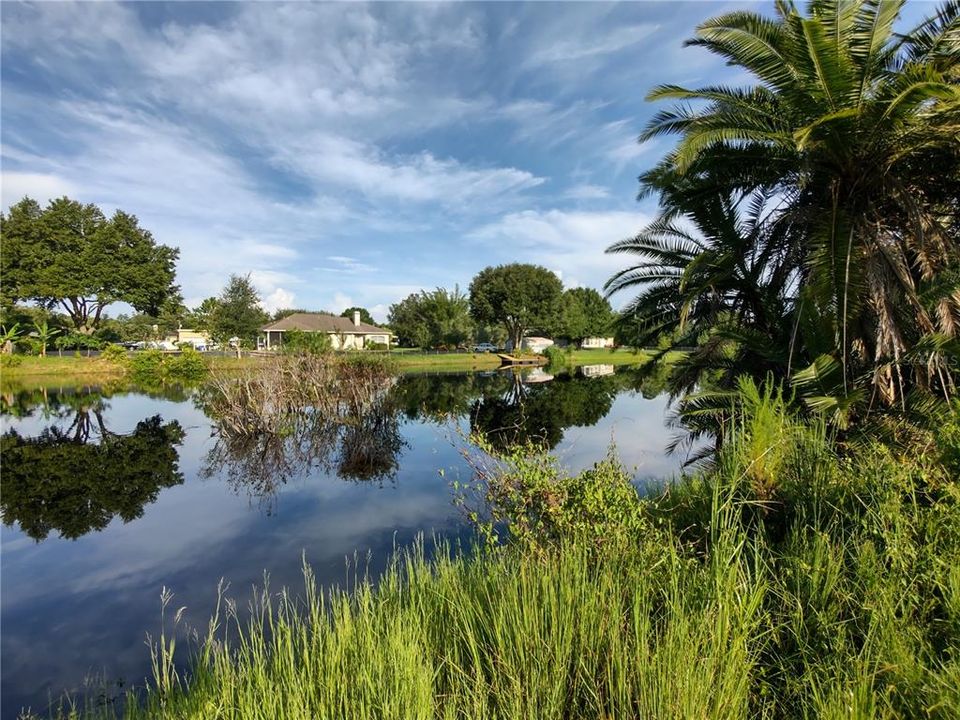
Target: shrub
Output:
{"points": [[377, 346], [188, 365], [526, 489], [558, 358], [114, 353], [298, 342], [154, 366], [10, 360]]}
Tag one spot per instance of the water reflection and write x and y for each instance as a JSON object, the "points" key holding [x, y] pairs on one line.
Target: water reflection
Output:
{"points": [[75, 478]]}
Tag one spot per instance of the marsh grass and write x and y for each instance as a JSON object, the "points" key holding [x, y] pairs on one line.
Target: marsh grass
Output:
{"points": [[784, 582]]}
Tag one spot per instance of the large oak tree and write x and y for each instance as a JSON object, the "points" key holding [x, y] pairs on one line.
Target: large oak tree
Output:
{"points": [[70, 256], [520, 297]]}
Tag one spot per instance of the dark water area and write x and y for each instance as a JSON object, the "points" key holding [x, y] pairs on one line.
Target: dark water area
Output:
{"points": [[109, 496]]}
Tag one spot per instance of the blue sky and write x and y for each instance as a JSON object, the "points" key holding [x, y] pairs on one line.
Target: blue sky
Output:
{"points": [[346, 153]]}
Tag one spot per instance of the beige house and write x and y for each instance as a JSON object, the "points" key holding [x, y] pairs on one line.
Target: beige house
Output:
{"points": [[597, 342], [199, 339], [344, 333]]}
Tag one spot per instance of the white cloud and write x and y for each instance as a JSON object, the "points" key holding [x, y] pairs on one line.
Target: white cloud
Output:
{"points": [[355, 165], [588, 44], [571, 243], [347, 265], [41, 187], [278, 299], [341, 302], [586, 191]]}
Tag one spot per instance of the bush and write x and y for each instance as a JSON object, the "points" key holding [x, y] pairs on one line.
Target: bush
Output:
{"points": [[525, 489], [10, 360], [188, 365], [297, 342], [558, 358], [115, 354], [377, 346], [154, 366]]}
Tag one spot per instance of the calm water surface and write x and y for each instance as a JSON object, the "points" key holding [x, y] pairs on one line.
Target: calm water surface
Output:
{"points": [[110, 496]]}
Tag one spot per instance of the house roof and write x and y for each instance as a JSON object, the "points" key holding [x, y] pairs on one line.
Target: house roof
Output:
{"points": [[322, 322]]}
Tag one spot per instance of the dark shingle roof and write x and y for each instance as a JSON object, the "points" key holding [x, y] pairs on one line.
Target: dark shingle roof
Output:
{"points": [[321, 322]]}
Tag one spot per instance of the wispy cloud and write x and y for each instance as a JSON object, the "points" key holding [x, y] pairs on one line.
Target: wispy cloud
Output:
{"points": [[389, 147]]}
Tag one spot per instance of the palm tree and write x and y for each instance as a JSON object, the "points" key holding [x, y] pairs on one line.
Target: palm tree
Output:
{"points": [[851, 135]]}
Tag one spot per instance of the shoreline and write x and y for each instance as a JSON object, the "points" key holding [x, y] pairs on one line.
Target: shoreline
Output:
{"points": [[53, 370]]}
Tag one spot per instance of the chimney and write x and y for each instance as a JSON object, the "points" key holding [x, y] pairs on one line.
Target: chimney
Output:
{"points": [[356, 318]]}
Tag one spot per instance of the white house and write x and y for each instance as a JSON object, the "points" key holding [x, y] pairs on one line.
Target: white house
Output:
{"points": [[533, 344], [597, 342], [344, 333]]}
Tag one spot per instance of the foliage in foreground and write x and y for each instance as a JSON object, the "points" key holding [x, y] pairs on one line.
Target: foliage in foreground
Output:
{"points": [[809, 225], [784, 582]]}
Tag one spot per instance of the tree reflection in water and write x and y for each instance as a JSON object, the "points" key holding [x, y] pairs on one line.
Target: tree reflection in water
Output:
{"points": [[76, 480], [77, 475], [509, 408]]}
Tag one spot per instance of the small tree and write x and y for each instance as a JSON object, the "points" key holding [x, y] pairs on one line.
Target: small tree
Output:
{"points": [[8, 336], [518, 296], [238, 313], [407, 320], [44, 334]]}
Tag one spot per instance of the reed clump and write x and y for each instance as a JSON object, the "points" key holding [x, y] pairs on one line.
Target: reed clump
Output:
{"points": [[264, 399]]}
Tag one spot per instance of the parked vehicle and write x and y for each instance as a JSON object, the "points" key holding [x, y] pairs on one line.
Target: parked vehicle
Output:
{"points": [[485, 347]]}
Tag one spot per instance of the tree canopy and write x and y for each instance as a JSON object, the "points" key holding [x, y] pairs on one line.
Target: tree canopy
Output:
{"points": [[439, 318], [585, 313], [365, 316], [70, 256], [520, 297], [238, 312]]}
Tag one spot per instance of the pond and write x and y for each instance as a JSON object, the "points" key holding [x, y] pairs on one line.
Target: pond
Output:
{"points": [[110, 495]]}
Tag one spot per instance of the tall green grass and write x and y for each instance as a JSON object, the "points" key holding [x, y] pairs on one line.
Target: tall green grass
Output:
{"points": [[786, 582]]}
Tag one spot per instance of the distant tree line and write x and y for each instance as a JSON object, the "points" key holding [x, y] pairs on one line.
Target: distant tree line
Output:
{"points": [[506, 302], [64, 264]]}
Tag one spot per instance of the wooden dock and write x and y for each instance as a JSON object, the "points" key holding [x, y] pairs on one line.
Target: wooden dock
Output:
{"points": [[513, 361]]}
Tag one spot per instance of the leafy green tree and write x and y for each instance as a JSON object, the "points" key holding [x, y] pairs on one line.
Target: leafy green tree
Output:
{"points": [[238, 312], [204, 312], [841, 172], [585, 313], [439, 318], [408, 321], [447, 315], [520, 297], [70, 255], [365, 316]]}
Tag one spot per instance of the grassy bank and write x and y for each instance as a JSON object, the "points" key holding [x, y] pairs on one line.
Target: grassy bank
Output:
{"points": [[53, 370], [788, 582]]}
